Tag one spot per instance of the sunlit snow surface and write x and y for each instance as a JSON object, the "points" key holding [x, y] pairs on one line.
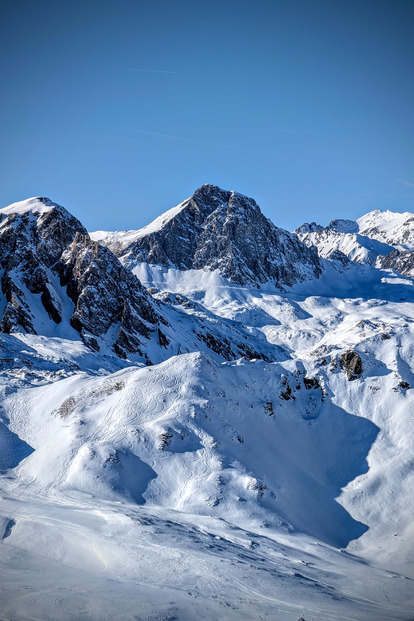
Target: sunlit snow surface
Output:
{"points": [[37, 205], [177, 492]]}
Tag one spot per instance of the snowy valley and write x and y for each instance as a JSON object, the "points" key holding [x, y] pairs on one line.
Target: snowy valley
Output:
{"points": [[210, 417]]}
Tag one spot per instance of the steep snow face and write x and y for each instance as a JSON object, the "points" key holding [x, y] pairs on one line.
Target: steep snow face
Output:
{"points": [[341, 240], [392, 228], [218, 230], [123, 239], [382, 238]]}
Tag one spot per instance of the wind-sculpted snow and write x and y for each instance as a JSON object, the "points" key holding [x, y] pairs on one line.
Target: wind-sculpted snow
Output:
{"points": [[193, 468], [205, 438], [12, 449]]}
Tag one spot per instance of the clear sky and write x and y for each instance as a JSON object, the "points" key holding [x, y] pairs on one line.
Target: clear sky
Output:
{"points": [[119, 110]]}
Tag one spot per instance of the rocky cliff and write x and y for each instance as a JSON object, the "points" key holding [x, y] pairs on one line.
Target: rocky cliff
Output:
{"points": [[56, 281], [219, 230]]}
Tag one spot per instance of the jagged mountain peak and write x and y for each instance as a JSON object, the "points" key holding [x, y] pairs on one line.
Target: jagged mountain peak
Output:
{"points": [[390, 227], [206, 200], [58, 282], [214, 196], [222, 230]]}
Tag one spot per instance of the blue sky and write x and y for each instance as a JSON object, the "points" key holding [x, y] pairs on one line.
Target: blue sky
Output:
{"points": [[120, 110]]}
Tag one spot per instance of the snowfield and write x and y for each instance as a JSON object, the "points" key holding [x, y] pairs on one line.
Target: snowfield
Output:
{"points": [[211, 485]]}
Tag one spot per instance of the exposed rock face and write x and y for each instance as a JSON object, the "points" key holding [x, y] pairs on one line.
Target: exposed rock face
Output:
{"points": [[55, 279], [44, 248], [32, 239], [351, 363], [401, 261], [105, 293], [218, 229]]}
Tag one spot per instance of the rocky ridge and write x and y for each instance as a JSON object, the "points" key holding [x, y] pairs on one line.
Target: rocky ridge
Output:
{"points": [[45, 252], [381, 239], [219, 230], [57, 281]]}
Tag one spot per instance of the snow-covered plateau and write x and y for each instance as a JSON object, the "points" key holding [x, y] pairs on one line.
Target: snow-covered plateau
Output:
{"points": [[207, 418]]}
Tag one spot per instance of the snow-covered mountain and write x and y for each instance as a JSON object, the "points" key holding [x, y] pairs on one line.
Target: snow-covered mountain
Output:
{"points": [[389, 227], [381, 238], [57, 282], [234, 442], [218, 230]]}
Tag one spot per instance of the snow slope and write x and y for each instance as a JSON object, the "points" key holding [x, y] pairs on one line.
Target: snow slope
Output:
{"points": [[126, 238], [381, 238], [192, 454], [389, 227], [216, 483]]}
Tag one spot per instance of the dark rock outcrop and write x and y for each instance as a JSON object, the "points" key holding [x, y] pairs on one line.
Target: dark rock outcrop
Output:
{"points": [[81, 286], [105, 294], [351, 363], [223, 230], [46, 254], [402, 261], [32, 239]]}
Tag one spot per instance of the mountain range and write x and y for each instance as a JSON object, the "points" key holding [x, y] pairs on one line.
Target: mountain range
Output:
{"points": [[206, 417]]}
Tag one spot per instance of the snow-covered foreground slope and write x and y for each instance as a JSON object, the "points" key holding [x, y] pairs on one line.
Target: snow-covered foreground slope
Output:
{"points": [[316, 330], [139, 563], [194, 436], [262, 469], [196, 477]]}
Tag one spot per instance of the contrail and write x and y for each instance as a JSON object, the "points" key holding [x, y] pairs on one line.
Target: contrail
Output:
{"points": [[215, 144], [148, 70], [411, 185]]}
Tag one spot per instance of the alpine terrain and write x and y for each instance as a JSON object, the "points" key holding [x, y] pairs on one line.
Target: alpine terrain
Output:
{"points": [[206, 418]]}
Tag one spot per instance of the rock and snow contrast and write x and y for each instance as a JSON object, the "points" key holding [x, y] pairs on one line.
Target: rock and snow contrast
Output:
{"points": [[218, 230], [385, 239], [209, 417]]}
